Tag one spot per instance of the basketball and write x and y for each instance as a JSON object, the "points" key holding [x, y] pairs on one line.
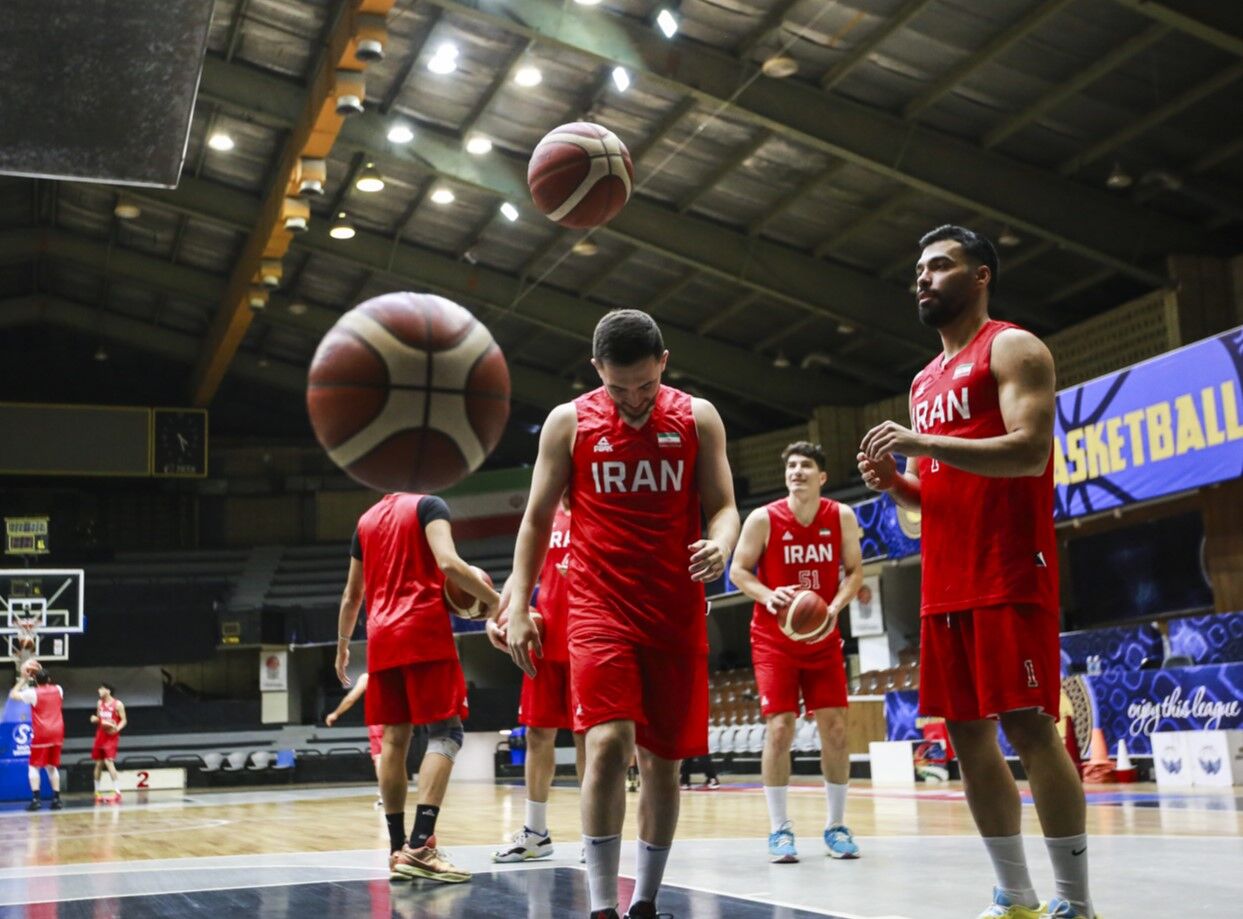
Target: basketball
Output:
{"points": [[807, 618], [408, 392], [462, 604], [580, 175], [31, 667]]}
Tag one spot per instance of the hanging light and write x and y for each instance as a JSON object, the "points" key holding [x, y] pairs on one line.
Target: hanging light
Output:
{"points": [[509, 211], [781, 362], [100, 354], [1009, 238], [585, 247], [780, 66], [297, 308], [400, 134], [478, 145], [587, 2], [126, 209], [369, 180], [1118, 178], [667, 23], [528, 76], [342, 228], [621, 79], [220, 140], [443, 196], [444, 60]]}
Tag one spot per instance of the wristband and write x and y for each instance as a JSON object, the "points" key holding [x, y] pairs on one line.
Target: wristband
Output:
{"points": [[344, 638]]}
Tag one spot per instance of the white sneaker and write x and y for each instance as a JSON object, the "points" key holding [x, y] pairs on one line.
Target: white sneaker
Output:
{"points": [[527, 845]]}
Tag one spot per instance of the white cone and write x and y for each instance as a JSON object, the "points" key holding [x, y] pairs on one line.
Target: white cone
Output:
{"points": [[1124, 758]]}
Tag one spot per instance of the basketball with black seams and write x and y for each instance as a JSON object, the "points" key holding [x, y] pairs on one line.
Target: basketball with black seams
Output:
{"points": [[580, 175], [408, 392], [464, 604], [806, 618]]}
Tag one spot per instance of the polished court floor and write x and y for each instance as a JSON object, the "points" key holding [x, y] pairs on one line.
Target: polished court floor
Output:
{"points": [[320, 853]]}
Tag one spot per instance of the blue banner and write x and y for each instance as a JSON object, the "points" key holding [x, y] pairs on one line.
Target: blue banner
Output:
{"points": [[1166, 425]]}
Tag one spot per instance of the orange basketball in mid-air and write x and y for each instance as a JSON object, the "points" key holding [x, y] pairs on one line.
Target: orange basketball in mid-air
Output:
{"points": [[580, 175], [806, 618], [408, 392], [460, 603]]}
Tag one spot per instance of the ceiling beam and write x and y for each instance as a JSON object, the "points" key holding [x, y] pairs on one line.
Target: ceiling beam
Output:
{"points": [[736, 159], [859, 53], [312, 135], [798, 193], [1027, 197], [770, 22], [1207, 20]]}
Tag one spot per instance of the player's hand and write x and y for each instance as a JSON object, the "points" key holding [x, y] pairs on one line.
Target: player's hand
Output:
{"points": [[94, 719], [707, 560], [524, 641], [497, 635], [331, 719], [781, 598], [891, 437], [878, 474], [110, 728], [343, 661]]}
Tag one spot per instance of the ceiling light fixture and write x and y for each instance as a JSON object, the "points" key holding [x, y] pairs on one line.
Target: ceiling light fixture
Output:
{"points": [[621, 79], [443, 196], [1118, 178], [369, 180], [781, 362], [667, 23], [1008, 238], [510, 212], [779, 66], [528, 76], [444, 60], [220, 140], [341, 227], [587, 2], [100, 354], [585, 247], [400, 134], [297, 308], [126, 209], [478, 145]]}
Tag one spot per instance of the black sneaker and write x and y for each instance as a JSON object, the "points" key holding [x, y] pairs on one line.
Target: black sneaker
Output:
{"points": [[646, 909], [712, 783], [33, 805], [56, 805], [609, 913]]}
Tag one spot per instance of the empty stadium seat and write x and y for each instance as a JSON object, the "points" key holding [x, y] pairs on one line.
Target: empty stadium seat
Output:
{"points": [[212, 762], [260, 759], [236, 760]]}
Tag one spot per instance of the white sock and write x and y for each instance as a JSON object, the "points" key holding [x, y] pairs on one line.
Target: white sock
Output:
{"points": [[837, 804], [537, 817], [650, 871], [777, 814], [1010, 866], [1069, 855], [603, 856]]}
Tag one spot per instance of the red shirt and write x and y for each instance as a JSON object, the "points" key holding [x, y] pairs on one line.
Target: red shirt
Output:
{"points": [[986, 541], [407, 621], [635, 497], [108, 716], [47, 718], [554, 589], [809, 556]]}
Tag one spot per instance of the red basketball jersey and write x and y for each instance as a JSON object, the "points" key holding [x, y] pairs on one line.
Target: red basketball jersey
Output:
{"points": [[47, 717], [808, 556], [554, 589], [108, 717], [986, 541], [407, 621], [635, 497]]}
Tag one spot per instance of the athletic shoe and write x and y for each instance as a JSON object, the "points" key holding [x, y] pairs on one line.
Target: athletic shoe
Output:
{"points": [[425, 862], [712, 783], [99, 797], [609, 913], [582, 855], [116, 798], [686, 784], [1061, 909], [56, 805], [781, 849], [527, 845], [33, 805], [1003, 908], [646, 909], [840, 843]]}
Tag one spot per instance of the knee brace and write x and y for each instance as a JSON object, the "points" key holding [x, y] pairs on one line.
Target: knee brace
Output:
{"points": [[445, 737]]}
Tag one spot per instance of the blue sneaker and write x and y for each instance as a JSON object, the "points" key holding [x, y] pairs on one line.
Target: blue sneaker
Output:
{"points": [[781, 849], [840, 843], [1003, 907], [1061, 909]]}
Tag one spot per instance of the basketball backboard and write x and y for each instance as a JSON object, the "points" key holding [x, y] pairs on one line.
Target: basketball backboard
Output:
{"points": [[45, 599]]}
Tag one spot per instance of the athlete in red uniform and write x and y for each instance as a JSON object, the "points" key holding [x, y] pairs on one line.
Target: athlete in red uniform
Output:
{"points": [[546, 703], [46, 701], [801, 542], [110, 720], [402, 552], [979, 466], [375, 732], [638, 458]]}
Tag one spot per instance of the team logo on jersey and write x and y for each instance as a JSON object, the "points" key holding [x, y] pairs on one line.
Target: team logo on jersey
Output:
{"points": [[562, 566], [1040, 562], [668, 439], [603, 446], [962, 370], [787, 536], [935, 466], [579, 711]]}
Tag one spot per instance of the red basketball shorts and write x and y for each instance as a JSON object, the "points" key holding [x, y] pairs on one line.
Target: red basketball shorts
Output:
{"points": [[105, 746], [47, 755], [375, 739], [547, 701], [781, 679], [665, 693], [984, 662], [421, 693]]}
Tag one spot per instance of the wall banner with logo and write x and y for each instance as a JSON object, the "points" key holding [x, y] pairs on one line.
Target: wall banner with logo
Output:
{"points": [[273, 671]]}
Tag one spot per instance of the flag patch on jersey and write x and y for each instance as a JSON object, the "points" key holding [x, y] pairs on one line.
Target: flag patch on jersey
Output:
{"points": [[962, 370], [668, 439], [826, 532]]}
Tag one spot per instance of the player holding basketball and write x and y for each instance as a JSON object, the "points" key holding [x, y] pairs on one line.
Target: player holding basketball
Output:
{"points": [[402, 553], [979, 467], [375, 732], [110, 720], [546, 703], [46, 701], [801, 542], [639, 460]]}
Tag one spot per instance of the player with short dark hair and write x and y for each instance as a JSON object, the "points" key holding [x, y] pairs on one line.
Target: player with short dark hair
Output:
{"points": [[110, 720], [46, 701], [979, 467], [402, 552], [640, 460], [801, 542]]}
